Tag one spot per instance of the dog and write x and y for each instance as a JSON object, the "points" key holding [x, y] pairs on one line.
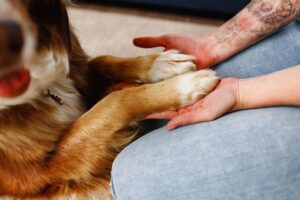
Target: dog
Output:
{"points": [[61, 124]]}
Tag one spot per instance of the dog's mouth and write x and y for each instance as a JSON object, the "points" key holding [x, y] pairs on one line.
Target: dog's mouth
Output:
{"points": [[14, 83]]}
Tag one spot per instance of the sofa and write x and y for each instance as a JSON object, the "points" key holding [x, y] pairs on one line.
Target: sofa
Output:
{"points": [[229, 7]]}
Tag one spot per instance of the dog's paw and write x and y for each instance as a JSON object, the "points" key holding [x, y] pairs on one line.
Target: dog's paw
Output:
{"points": [[195, 85], [169, 64]]}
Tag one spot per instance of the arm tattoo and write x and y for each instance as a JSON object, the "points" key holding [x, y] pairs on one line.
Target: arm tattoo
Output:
{"points": [[272, 15], [259, 19]]}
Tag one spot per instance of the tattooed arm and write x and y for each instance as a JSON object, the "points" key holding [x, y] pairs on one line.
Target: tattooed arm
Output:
{"points": [[258, 20]]}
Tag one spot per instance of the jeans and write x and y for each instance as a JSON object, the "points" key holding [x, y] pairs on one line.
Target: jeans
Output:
{"points": [[245, 155]]}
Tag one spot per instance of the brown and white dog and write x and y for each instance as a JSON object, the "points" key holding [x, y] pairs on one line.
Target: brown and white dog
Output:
{"points": [[60, 127]]}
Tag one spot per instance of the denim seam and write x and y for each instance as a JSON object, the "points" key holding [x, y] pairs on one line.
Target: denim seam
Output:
{"points": [[113, 189]]}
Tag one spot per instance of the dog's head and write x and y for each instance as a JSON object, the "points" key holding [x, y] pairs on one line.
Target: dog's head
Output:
{"points": [[34, 46]]}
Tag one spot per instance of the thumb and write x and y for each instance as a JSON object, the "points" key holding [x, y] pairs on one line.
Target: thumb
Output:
{"points": [[149, 42]]}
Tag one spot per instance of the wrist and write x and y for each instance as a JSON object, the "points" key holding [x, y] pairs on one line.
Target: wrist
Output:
{"points": [[231, 87], [239, 89], [252, 93], [242, 102], [218, 51], [205, 52]]}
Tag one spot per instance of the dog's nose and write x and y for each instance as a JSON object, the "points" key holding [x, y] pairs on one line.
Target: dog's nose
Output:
{"points": [[11, 42]]}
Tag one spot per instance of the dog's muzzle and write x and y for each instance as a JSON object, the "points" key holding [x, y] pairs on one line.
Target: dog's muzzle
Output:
{"points": [[14, 78]]}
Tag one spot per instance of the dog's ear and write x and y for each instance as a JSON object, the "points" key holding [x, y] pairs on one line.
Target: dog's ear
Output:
{"points": [[68, 2], [46, 11], [51, 18]]}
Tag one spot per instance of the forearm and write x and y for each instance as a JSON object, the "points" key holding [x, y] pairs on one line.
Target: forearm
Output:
{"points": [[258, 20], [281, 88]]}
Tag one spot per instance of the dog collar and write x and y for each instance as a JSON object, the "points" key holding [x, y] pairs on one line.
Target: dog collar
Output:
{"points": [[54, 97]]}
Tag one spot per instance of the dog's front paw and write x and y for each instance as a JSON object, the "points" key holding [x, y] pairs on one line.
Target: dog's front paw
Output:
{"points": [[195, 85], [169, 64]]}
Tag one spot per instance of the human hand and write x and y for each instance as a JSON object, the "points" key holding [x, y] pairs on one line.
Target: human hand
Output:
{"points": [[196, 46], [223, 99]]}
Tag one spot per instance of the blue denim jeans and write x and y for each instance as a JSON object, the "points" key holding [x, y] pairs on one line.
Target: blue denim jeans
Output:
{"points": [[246, 155]]}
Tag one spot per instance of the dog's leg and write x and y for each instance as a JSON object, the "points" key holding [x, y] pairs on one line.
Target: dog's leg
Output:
{"points": [[83, 158], [144, 69], [85, 154]]}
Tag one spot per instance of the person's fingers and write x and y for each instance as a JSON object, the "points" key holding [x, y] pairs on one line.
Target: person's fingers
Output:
{"points": [[198, 104], [163, 115], [195, 116], [182, 120], [189, 108], [149, 42], [183, 110]]}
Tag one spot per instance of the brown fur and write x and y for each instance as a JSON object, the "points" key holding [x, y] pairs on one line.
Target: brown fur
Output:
{"points": [[42, 157], [124, 68]]}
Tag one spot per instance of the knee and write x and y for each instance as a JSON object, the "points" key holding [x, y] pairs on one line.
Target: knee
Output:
{"points": [[241, 152], [139, 171], [128, 177], [118, 177]]}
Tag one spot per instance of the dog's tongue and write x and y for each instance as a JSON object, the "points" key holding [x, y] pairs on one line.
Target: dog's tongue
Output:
{"points": [[15, 83]]}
